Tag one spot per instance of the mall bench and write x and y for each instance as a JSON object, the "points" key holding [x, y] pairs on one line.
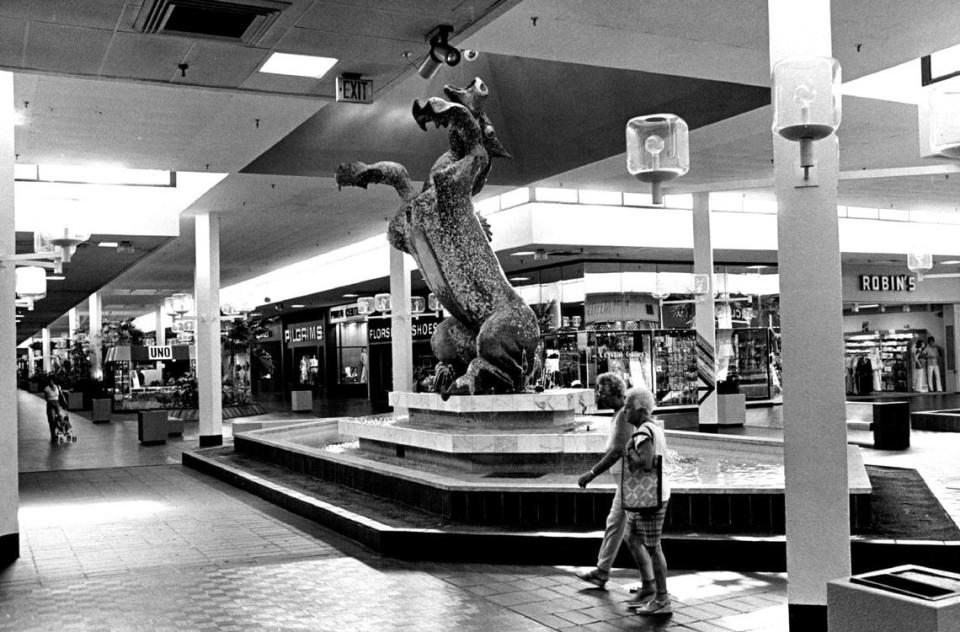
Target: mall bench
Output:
{"points": [[889, 421]]}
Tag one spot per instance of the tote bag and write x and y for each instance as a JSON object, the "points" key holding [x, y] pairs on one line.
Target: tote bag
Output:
{"points": [[641, 482]]}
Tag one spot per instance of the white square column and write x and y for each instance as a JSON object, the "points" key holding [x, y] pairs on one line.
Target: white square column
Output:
{"points": [[45, 342], [401, 335], [811, 302], [161, 332], [95, 324], [704, 319], [9, 460], [206, 287]]}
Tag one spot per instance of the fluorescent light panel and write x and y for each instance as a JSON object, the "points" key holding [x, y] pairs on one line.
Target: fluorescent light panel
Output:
{"points": [[298, 65], [108, 244], [94, 174]]}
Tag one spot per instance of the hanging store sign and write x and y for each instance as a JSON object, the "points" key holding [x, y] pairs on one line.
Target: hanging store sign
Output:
{"points": [[159, 353], [379, 330], [344, 313], [887, 283], [304, 334], [353, 89]]}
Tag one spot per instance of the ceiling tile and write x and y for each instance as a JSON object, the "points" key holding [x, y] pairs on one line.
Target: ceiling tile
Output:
{"points": [[66, 49], [221, 64], [101, 14], [12, 36], [142, 56]]}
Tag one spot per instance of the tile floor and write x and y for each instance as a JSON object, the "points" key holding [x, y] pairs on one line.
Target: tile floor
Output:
{"points": [[134, 541], [119, 536]]}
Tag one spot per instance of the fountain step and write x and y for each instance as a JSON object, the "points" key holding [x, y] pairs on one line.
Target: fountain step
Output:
{"points": [[398, 531], [937, 420], [495, 496]]}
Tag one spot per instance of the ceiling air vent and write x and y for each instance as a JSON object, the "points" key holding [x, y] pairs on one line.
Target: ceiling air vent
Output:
{"points": [[239, 20]]}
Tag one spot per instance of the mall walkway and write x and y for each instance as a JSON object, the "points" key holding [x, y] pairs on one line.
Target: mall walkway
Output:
{"points": [[118, 536]]}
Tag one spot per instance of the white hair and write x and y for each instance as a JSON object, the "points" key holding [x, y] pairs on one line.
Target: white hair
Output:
{"points": [[639, 398]]}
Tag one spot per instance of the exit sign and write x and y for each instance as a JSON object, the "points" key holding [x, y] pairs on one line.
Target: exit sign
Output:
{"points": [[353, 89]]}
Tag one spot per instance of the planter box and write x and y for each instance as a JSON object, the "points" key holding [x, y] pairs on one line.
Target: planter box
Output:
{"points": [[100, 409], [895, 599], [301, 400], [152, 426], [732, 409], [74, 400]]}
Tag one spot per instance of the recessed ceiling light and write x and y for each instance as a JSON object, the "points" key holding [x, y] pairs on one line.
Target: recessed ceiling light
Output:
{"points": [[56, 277], [523, 253], [108, 244], [951, 262], [350, 295], [298, 65], [297, 305]]}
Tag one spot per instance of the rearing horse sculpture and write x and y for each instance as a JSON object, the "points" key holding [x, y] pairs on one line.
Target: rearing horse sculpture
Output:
{"points": [[492, 334]]}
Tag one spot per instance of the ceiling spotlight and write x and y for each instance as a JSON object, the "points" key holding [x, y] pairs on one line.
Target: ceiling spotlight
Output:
{"points": [[441, 52]]}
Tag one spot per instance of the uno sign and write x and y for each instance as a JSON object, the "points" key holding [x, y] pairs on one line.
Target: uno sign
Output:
{"points": [[887, 283], [159, 353]]}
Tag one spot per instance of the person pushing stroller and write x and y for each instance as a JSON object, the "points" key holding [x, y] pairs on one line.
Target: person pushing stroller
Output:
{"points": [[61, 431]]}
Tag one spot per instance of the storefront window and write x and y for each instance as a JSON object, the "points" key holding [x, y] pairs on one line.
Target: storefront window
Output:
{"points": [[352, 357]]}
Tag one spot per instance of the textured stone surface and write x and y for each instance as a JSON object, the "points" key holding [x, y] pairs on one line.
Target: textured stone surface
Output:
{"points": [[491, 337], [577, 400]]}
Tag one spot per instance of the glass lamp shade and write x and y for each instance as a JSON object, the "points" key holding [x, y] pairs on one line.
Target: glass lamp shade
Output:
{"points": [[433, 303], [366, 305], [944, 118], [800, 112], [417, 304], [182, 303], [63, 240], [701, 284], [31, 282], [382, 302], [657, 149], [660, 290], [919, 261]]}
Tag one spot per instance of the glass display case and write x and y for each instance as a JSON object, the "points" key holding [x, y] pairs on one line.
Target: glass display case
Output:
{"points": [[626, 353], [751, 358], [675, 364], [562, 359]]}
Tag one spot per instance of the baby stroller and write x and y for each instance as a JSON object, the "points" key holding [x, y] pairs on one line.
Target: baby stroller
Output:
{"points": [[63, 428]]}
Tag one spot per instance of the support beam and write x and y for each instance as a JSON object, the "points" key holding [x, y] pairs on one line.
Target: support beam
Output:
{"points": [[815, 441], [400, 322], [45, 341], [207, 300], [704, 319], [161, 332], [95, 308], [9, 494]]}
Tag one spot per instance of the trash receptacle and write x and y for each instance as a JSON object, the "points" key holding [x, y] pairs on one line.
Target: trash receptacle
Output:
{"points": [[891, 425], [301, 400], [895, 599]]}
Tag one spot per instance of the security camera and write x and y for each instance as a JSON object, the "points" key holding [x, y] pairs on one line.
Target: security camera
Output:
{"points": [[470, 55], [429, 67]]}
